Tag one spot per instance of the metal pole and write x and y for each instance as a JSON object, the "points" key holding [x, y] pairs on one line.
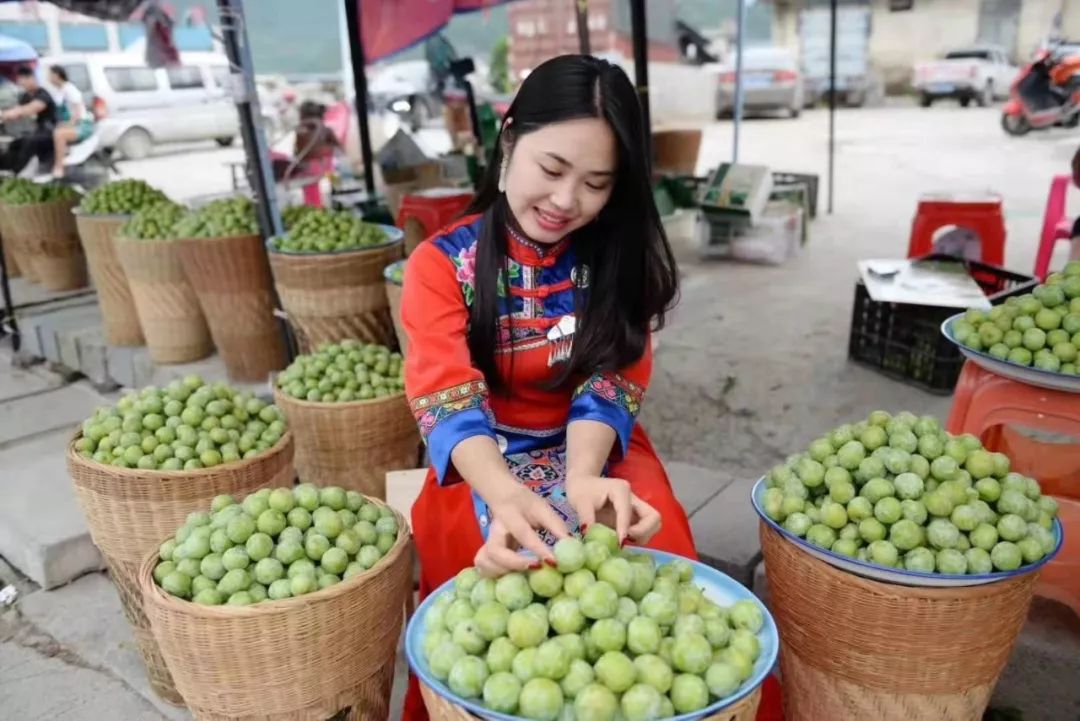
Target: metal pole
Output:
{"points": [[242, 69], [739, 100], [238, 50], [582, 9], [356, 45], [832, 97], [641, 69], [7, 318]]}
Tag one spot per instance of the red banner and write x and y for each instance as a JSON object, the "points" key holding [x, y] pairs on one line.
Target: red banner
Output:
{"points": [[393, 25]]}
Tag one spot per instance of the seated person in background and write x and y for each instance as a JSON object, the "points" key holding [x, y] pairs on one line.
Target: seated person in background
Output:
{"points": [[36, 103], [315, 145], [76, 122]]}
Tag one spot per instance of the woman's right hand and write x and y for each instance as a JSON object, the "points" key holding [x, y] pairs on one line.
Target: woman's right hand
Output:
{"points": [[516, 516]]}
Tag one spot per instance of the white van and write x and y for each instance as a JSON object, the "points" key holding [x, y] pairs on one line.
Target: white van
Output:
{"points": [[138, 107]]}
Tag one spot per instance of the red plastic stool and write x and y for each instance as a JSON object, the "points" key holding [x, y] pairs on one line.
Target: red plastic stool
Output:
{"points": [[1055, 225], [423, 212], [980, 214], [1060, 578]]}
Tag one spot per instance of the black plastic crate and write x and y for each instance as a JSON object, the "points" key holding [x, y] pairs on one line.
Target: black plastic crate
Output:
{"points": [[904, 341]]}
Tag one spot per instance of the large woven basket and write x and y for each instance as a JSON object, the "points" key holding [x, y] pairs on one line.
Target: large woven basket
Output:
{"points": [[13, 250], [330, 297], [48, 240], [353, 444], [235, 290], [442, 709], [326, 655], [169, 311], [393, 296], [130, 511], [854, 648], [11, 264], [98, 234]]}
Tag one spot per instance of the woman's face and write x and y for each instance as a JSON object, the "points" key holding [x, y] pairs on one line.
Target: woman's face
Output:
{"points": [[560, 177], [55, 79]]}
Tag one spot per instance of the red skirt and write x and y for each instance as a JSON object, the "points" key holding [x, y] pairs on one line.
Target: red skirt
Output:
{"points": [[448, 536]]}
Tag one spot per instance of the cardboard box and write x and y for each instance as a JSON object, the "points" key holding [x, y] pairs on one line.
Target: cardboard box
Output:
{"points": [[741, 190]]}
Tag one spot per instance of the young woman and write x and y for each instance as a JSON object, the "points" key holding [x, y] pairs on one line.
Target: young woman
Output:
{"points": [[76, 122], [529, 339]]}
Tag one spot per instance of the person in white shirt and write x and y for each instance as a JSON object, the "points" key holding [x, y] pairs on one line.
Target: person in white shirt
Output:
{"points": [[76, 121]]}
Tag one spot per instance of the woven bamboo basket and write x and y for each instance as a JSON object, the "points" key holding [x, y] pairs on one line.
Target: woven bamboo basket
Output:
{"points": [[393, 296], [327, 655], [854, 648], [13, 249], [11, 264], [49, 242], [169, 311], [130, 511], [330, 297], [352, 444], [233, 283], [440, 708], [98, 234]]}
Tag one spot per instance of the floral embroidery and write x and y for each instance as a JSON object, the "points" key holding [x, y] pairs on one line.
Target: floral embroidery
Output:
{"points": [[616, 389], [465, 262], [432, 409], [513, 273], [543, 472]]}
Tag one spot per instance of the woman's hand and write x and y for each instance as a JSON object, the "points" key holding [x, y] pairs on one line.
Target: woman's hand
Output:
{"points": [[515, 518], [610, 501]]}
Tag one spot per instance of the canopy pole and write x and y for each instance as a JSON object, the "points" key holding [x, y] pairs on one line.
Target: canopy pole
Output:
{"points": [[356, 46], [739, 99], [7, 318], [238, 50], [582, 8], [832, 98], [641, 70]]}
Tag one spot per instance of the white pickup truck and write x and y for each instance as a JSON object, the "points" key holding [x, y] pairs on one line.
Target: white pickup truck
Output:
{"points": [[982, 74]]}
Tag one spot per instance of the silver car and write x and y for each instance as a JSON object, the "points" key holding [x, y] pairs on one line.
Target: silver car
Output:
{"points": [[771, 81]]}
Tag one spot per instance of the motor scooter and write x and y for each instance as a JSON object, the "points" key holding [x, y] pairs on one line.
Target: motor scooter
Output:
{"points": [[1046, 93]]}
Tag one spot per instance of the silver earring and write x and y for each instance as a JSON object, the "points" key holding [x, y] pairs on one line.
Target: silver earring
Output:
{"points": [[502, 174]]}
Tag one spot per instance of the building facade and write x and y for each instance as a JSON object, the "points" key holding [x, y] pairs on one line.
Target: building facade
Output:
{"points": [[906, 32], [542, 29]]}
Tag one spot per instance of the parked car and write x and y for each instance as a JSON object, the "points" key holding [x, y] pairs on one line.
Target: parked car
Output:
{"points": [[771, 81], [981, 74], [138, 107]]}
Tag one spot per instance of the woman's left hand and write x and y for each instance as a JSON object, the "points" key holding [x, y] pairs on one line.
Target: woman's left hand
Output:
{"points": [[610, 500]]}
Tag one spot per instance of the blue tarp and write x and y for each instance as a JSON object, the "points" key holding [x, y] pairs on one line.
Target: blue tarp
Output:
{"points": [[13, 50]]}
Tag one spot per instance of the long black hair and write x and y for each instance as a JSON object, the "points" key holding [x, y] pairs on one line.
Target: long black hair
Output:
{"points": [[633, 280]]}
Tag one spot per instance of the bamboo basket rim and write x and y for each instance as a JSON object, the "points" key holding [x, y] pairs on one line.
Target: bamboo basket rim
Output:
{"points": [[121, 238], [218, 238], [153, 593], [73, 456], [78, 211], [396, 236], [59, 202], [316, 405]]}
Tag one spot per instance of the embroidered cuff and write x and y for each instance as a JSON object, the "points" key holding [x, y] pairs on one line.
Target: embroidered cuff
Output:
{"points": [[448, 417], [609, 398]]}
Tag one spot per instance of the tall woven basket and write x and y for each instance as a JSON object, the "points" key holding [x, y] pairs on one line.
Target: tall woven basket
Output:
{"points": [[11, 264], [130, 511], [854, 648], [98, 234], [233, 283], [331, 297], [168, 309], [352, 444], [393, 296], [49, 242], [326, 655], [13, 249], [442, 709]]}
